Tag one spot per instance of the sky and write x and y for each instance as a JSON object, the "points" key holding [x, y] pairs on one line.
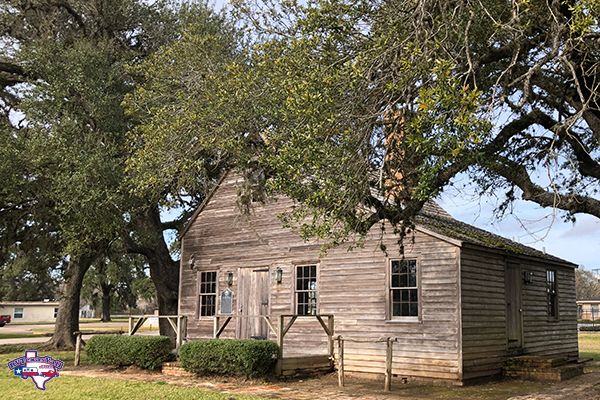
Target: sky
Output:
{"points": [[529, 224]]}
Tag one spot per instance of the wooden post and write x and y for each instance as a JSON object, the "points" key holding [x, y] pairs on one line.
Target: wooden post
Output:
{"points": [[178, 337], [280, 335], [130, 325], [215, 326], [330, 325], [388, 365], [77, 349], [340, 361]]}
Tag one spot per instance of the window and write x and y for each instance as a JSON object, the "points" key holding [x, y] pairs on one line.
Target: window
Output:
{"points": [[207, 294], [18, 312], [55, 312], [551, 294], [306, 290], [404, 292]]}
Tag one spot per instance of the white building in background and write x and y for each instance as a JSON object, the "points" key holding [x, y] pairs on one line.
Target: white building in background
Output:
{"points": [[38, 311], [30, 311]]}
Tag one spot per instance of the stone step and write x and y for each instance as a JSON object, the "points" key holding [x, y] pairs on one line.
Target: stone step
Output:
{"points": [[535, 362], [175, 369], [544, 371]]}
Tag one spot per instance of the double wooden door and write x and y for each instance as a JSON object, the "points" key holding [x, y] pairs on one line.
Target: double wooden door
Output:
{"points": [[253, 302]]}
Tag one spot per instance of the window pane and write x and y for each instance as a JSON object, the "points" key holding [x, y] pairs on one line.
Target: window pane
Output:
{"points": [[413, 310], [413, 295]]}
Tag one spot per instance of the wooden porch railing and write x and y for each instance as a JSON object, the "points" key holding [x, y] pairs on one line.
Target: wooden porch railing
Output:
{"points": [[282, 328], [389, 348], [177, 322]]}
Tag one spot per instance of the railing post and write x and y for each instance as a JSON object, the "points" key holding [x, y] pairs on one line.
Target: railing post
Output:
{"points": [[215, 326], [130, 325], [340, 361], [330, 325], [388, 365], [77, 349], [178, 338], [281, 327]]}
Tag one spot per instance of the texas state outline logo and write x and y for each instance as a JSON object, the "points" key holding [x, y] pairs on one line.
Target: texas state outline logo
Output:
{"points": [[39, 368]]}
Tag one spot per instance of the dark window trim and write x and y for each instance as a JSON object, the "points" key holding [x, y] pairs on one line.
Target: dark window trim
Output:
{"points": [[201, 295]]}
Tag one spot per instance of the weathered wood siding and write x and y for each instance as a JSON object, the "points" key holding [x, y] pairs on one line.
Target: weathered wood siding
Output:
{"points": [[484, 329], [352, 286]]}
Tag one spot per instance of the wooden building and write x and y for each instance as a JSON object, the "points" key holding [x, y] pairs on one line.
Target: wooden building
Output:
{"points": [[458, 303]]}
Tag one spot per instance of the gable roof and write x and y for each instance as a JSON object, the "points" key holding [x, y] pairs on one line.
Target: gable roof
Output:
{"points": [[434, 218], [443, 224]]}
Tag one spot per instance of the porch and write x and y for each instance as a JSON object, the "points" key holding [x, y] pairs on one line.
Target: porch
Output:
{"points": [[294, 364]]}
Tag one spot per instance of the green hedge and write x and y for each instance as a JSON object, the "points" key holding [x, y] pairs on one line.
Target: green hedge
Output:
{"points": [[595, 328], [250, 358], [148, 352]]}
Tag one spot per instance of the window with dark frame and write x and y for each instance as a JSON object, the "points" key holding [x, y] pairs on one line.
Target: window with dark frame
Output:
{"points": [[404, 291], [551, 293], [306, 290], [208, 294]]}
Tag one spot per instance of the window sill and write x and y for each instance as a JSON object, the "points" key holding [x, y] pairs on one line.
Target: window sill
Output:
{"points": [[404, 320]]}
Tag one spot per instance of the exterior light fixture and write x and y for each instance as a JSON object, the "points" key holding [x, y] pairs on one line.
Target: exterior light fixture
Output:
{"points": [[527, 277], [229, 278], [279, 275], [192, 262]]}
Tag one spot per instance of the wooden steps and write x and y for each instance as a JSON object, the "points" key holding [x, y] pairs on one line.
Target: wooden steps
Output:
{"points": [[304, 365], [542, 368]]}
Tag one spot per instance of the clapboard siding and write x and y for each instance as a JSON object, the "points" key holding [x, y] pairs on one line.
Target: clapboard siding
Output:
{"points": [[352, 286], [462, 330], [483, 299]]}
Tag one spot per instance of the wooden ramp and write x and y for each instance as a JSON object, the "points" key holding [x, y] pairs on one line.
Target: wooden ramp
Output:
{"points": [[304, 365]]}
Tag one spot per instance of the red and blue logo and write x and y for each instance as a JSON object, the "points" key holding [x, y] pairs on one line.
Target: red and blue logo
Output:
{"points": [[39, 368]]}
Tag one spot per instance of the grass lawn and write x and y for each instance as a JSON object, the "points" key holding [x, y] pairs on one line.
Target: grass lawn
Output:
{"points": [[19, 335], [589, 345], [74, 388]]}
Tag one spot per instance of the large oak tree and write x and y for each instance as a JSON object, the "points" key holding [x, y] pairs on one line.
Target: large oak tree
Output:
{"points": [[363, 110]]}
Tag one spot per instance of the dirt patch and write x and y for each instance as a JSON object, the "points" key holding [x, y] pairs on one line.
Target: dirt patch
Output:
{"points": [[585, 387]]}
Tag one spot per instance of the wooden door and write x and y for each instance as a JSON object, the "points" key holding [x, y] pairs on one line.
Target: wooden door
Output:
{"points": [[253, 301], [514, 324]]}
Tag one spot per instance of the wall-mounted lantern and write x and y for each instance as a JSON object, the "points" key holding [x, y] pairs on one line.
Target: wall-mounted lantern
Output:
{"points": [[229, 278], [279, 275], [192, 262], [528, 277]]}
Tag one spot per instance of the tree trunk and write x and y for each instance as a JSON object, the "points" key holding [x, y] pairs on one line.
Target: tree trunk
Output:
{"points": [[67, 320], [106, 301], [164, 271]]}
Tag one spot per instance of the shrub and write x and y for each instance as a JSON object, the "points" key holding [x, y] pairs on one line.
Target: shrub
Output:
{"points": [[148, 352], [229, 357], [593, 328]]}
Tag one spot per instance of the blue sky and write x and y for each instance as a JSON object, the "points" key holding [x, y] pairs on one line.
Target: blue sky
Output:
{"points": [[528, 223]]}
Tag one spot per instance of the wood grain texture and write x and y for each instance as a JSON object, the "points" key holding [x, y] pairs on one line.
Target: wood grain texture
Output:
{"points": [[461, 330]]}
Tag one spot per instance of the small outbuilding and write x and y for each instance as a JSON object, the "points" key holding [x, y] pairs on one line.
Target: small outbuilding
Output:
{"points": [[458, 303]]}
